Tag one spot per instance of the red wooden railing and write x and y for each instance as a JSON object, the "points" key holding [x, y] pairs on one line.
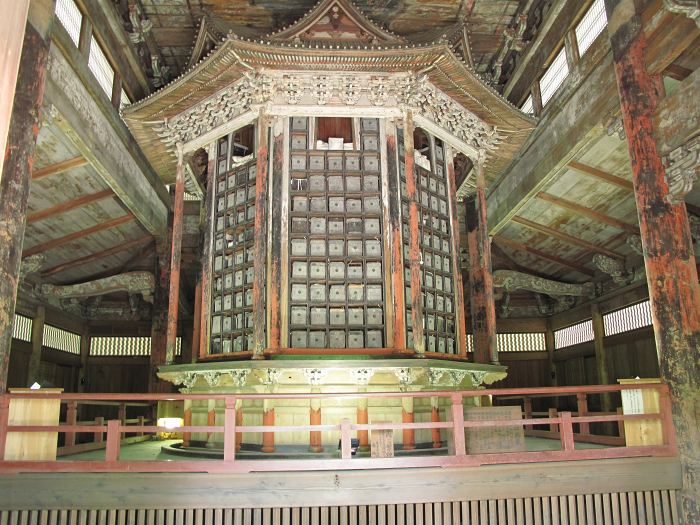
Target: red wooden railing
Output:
{"points": [[562, 423]]}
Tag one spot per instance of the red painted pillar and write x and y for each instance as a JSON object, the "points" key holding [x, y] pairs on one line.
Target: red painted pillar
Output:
{"points": [[435, 418], [315, 442], [409, 434], [175, 258], [668, 251], [239, 423], [363, 419], [260, 243], [268, 444], [187, 421], [483, 306], [205, 275], [16, 175]]}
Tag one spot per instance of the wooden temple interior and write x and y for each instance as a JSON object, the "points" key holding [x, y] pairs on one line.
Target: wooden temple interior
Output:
{"points": [[350, 262]]}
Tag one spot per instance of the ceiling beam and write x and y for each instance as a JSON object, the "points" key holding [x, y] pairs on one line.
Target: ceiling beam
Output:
{"points": [[54, 243], [504, 241], [587, 212], [565, 237], [59, 167], [95, 256], [602, 175], [78, 202]]}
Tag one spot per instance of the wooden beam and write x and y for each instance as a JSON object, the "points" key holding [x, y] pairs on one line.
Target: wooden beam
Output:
{"points": [[565, 237], [587, 212], [78, 202], [59, 167], [542, 255], [602, 175], [95, 256], [677, 72], [54, 243]]}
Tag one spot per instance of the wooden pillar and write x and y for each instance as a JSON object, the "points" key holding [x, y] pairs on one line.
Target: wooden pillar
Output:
{"points": [[395, 257], [362, 419], [549, 346], [175, 258], [187, 421], [159, 318], [279, 157], [315, 441], [34, 367], [17, 172], [459, 308], [668, 250], [84, 356], [601, 355], [571, 48], [239, 423], [197, 322], [483, 306], [260, 243], [409, 434], [12, 25], [207, 240], [414, 252], [435, 418], [268, 440]]}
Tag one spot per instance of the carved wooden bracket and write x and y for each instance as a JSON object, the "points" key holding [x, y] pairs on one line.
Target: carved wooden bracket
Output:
{"points": [[682, 167], [131, 282], [689, 8], [511, 280]]}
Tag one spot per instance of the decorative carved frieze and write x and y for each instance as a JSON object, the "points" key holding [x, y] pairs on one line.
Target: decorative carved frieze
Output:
{"points": [[434, 376], [362, 376], [186, 379], [613, 267], [239, 377], [457, 376], [615, 126], [682, 167], [694, 221], [271, 376], [511, 280], [635, 243], [547, 305], [689, 8], [404, 376], [131, 282], [315, 376], [31, 265], [388, 90], [477, 377], [504, 308], [212, 377]]}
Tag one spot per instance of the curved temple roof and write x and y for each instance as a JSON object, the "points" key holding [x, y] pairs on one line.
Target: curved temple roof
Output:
{"points": [[313, 44]]}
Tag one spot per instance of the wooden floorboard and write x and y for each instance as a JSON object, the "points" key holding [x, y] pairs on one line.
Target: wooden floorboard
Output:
{"points": [[309, 489]]}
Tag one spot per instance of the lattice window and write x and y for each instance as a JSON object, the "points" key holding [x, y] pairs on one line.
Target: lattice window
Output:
{"points": [[22, 328], [554, 76], [521, 342], [629, 318], [591, 25], [574, 334], [116, 346], [70, 17], [100, 67], [61, 339], [528, 106]]}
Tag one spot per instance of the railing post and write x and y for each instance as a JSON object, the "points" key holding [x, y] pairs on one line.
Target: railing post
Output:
{"points": [[4, 415], [142, 420], [71, 420], [666, 416], [435, 418], [553, 427], [527, 408], [620, 424], [230, 429], [187, 421], [458, 425], [345, 439], [113, 440], [99, 437], [582, 407], [121, 414], [566, 432]]}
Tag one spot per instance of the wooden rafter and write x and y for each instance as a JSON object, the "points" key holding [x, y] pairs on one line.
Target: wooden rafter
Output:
{"points": [[565, 237], [83, 200], [49, 245], [602, 175], [504, 241], [59, 167], [587, 212], [95, 256]]}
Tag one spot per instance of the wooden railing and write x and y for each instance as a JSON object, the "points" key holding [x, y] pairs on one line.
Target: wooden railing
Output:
{"points": [[562, 423]]}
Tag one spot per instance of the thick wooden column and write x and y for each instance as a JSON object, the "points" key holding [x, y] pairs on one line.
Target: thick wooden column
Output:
{"points": [[601, 355], [196, 323], [175, 258], [83, 377], [668, 251], [409, 434], [414, 252], [34, 367], [268, 439], [12, 25], [459, 308], [207, 240], [260, 243], [435, 418], [362, 419], [159, 317], [279, 156], [483, 306], [315, 440], [395, 257], [16, 175]]}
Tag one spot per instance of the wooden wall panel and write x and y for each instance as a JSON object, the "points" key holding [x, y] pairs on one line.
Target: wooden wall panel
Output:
{"points": [[118, 377], [523, 372], [649, 507]]}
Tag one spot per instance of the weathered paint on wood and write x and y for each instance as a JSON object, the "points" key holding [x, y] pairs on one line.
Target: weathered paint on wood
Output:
{"points": [[396, 261], [159, 318], [481, 299], [275, 293], [260, 246], [668, 250], [206, 249], [175, 260], [16, 176]]}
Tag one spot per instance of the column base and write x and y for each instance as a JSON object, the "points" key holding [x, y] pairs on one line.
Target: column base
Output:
{"points": [[267, 450], [315, 448]]}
